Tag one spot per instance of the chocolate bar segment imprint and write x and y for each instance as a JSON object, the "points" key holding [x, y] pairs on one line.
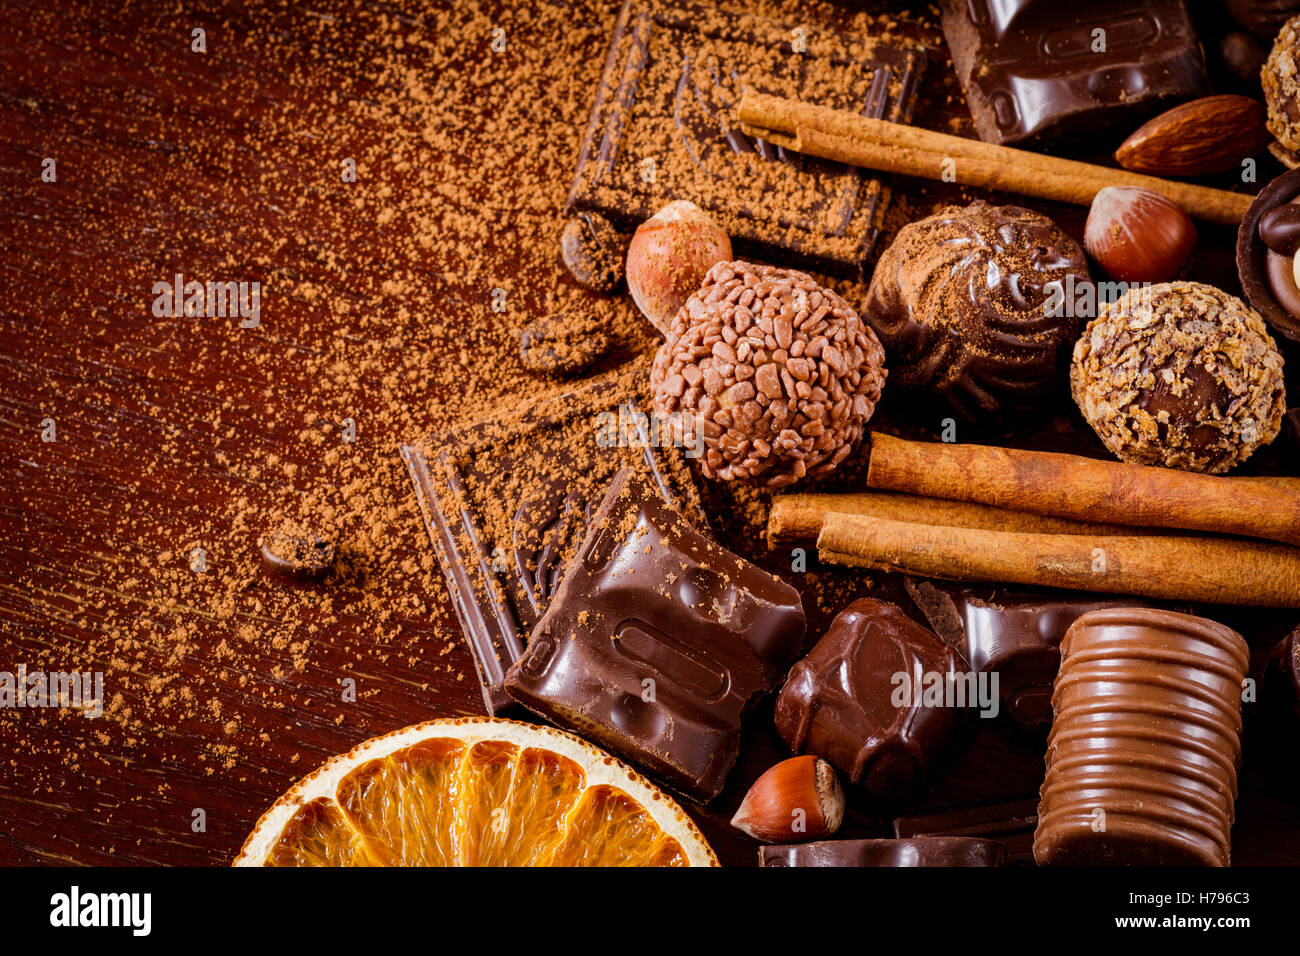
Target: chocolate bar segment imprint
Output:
{"points": [[658, 641], [506, 502], [662, 128]]}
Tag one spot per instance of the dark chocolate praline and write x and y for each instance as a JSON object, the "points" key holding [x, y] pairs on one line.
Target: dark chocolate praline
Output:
{"points": [[1253, 255]]}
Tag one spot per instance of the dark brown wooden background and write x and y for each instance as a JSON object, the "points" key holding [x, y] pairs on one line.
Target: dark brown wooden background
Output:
{"points": [[178, 433]]}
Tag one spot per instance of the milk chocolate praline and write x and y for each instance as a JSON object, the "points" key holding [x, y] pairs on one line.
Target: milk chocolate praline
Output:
{"points": [[1179, 374], [773, 374], [962, 301], [1258, 267]]}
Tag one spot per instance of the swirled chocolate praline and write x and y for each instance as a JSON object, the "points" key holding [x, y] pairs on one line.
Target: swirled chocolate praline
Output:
{"points": [[973, 309]]}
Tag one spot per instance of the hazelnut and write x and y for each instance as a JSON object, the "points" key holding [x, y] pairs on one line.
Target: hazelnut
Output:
{"points": [[669, 257], [798, 799], [1137, 235]]}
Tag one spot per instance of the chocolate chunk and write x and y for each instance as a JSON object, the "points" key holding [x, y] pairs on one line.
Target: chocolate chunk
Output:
{"points": [[296, 552], [1280, 690], [963, 302], [658, 640], [560, 346], [662, 129], [594, 251], [1038, 72], [923, 851], [506, 502], [1015, 633], [840, 701], [1010, 823]]}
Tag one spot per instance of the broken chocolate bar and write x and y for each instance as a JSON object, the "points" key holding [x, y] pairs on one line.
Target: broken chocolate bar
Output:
{"points": [[920, 851], [856, 700], [1011, 823], [506, 503], [1013, 632], [1038, 72], [662, 129], [658, 640]]}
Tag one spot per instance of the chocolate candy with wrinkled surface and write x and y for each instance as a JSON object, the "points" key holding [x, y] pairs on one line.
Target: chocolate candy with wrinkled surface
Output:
{"points": [[845, 703]]}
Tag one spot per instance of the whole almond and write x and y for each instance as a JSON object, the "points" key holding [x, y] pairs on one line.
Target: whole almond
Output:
{"points": [[1209, 135]]}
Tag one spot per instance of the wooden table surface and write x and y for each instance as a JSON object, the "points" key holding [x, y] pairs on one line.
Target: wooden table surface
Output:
{"points": [[173, 434]]}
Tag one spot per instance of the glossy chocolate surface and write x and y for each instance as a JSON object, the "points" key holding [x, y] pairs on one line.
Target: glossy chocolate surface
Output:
{"points": [[500, 589], [1033, 73], [1010, 823], [922, 851], [658, 641], [1145, 744], [839, 701], [1015, 632], [673, 74], [1263, 273]]}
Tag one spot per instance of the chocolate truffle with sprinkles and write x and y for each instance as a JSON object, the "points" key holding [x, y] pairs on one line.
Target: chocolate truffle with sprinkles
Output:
{"points": [[1180, 374], [971, 305], [775, 374]]}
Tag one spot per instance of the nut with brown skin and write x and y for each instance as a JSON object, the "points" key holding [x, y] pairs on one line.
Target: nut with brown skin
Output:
{"points": [[1209, 135], [1137, 235], [669, 257], [796, 800]]}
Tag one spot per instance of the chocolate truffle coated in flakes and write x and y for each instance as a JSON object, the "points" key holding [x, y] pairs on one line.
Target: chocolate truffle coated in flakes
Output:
{"points": [[1180, 374], [962, 301], [776, 374]]}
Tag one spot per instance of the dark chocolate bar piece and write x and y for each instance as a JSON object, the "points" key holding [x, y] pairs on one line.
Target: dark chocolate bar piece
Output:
{"points": [[845, 702], [662, 128], [1011, 823], [506, 502], [918, 851], [1281, 687], [1013, 632], [658, 640], [1041, 71]]}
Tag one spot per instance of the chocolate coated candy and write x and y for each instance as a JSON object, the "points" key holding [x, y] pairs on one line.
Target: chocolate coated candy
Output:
{"points": [[1038, 71], [924, 851], [594, 251], [657, 642], [971, 305], [294, 552], [1279, 229], [844, 701]]}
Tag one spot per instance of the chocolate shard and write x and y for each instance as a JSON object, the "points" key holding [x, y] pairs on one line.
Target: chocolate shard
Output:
{"points": [[1011, 823], [841, 701], [1013, 632], [1039, 72], [506, 502], [658, 640], [662, 128], [919, 851], [1280, 690]]}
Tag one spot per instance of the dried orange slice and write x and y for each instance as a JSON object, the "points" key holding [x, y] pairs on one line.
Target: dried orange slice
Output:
{"points": [[475, 792]]}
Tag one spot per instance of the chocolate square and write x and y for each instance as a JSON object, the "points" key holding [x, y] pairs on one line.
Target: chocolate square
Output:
{"points": [[658, 641], [662, 129], [1036, 71], [506, 502]]}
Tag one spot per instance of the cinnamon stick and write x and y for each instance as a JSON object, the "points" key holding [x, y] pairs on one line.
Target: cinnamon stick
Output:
{"points": [[1069, 486], [847, 137], [1207, 570], [798, 517]]}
